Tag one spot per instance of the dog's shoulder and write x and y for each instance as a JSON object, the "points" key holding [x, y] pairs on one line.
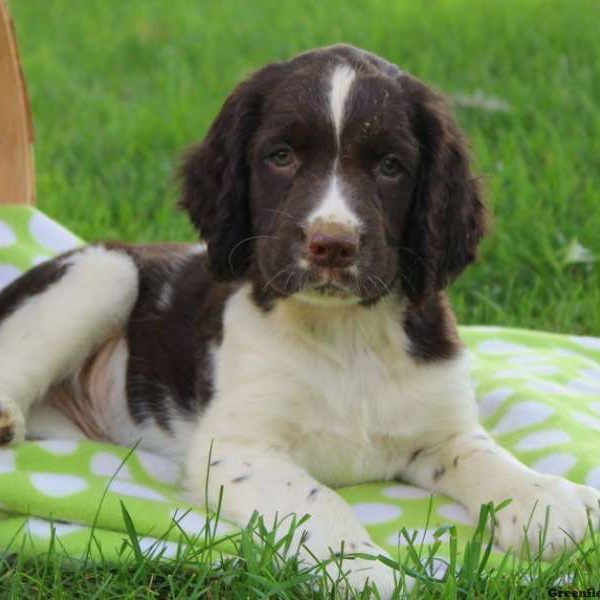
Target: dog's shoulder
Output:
{"points": [[175, 324]]}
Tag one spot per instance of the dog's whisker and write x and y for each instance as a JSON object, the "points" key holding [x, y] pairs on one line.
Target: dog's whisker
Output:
{"points": [[281, 272], [244, 241], [285, 285], [279, 212], [378, 279]]}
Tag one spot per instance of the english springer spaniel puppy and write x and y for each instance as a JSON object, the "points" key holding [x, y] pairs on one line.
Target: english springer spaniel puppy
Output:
{"points": [[310, 344]]}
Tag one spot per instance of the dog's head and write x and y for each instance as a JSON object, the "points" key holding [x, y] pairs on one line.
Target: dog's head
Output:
{"points": [[335, 177]]}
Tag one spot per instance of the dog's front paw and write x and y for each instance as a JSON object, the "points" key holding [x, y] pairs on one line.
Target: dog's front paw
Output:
{"points": [[548, 514], [358, 573], [12, 422], [352, 572]]}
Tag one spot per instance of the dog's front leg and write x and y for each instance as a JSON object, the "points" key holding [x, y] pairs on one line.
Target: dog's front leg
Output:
{"points": [[266, 480], [474, 470]]}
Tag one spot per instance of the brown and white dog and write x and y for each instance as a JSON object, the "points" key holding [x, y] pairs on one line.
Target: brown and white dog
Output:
{"points": [[311, 342]]}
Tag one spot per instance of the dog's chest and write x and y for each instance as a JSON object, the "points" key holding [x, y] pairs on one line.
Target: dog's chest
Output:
{"points": [[355, 422], [344, 400]]}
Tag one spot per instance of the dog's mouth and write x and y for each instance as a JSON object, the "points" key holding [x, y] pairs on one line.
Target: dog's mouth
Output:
{"points": [[324, 285], [331, 281], [331, 289], [330, 286]]}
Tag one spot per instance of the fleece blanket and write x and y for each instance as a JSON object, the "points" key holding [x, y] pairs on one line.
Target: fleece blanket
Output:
{"points": [[538, 393]]}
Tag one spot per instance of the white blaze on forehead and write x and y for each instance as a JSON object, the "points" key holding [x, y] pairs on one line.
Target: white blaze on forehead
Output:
{"points": [[333, 208], [341, 82]]}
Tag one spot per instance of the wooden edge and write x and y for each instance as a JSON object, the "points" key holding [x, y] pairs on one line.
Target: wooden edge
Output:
{"points": [[17, 170]]}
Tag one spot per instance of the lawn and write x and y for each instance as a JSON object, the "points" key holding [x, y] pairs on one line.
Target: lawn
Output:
{"points": [[120, 88]]}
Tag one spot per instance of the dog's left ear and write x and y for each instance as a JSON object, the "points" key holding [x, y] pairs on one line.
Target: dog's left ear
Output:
{"points": [[214, 178], [448, 217]]}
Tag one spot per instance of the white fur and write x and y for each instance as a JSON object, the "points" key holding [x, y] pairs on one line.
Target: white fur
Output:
{"points": [[334, 208], [340, 84], [165, 296], [322, 300], [344, 383], [308, 395], [46, 422]]}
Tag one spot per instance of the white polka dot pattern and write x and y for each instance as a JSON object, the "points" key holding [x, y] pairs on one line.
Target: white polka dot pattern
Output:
{"points": [[160, 468], [591, 374], [543, 439], [152, 547], [548, 387], [500, 347], [193, 523], [555, 464], [591, 422], [584, 387], [106, 464], [58, 486], [42, 528], [126, 488], [371, 513], [593, 478], [7, 235], [490, 403], [521, 415], [7, 461], [50, 234], [59, 447], [457, 513], [587, 342], [8, 273]]}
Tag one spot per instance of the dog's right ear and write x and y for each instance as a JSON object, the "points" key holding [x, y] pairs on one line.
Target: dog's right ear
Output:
{"points": [[214, 177]]}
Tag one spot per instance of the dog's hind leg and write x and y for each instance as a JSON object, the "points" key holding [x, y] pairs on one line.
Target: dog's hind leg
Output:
{"points": [[52, 319]]}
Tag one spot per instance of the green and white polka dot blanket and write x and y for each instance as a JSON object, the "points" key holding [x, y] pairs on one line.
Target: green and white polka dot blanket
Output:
{"points": [[539, 395]]}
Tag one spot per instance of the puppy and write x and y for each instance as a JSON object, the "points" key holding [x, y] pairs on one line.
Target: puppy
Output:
{"points": [[310, 344]]}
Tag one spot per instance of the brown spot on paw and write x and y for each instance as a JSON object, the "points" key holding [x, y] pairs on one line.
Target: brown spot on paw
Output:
{"points": [[438, 473], [414, 455], [240, 479], [7, 435], [7, 426]]}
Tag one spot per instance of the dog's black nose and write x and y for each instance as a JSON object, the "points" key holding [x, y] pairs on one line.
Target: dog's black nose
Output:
{"points": [[333, 250]]}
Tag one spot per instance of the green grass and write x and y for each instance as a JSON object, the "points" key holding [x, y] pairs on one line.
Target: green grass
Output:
{"points": [[266, 566], [120, 88]]}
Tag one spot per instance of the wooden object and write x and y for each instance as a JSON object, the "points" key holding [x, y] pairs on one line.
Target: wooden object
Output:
{"points": [[17, 171]]}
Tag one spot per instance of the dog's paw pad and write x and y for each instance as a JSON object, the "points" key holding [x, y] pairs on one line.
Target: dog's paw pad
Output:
{"points": [[12, 423]]}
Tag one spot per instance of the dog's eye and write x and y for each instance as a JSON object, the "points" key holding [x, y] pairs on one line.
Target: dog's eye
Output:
{"points": [[390, 166], [282, 157]]}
